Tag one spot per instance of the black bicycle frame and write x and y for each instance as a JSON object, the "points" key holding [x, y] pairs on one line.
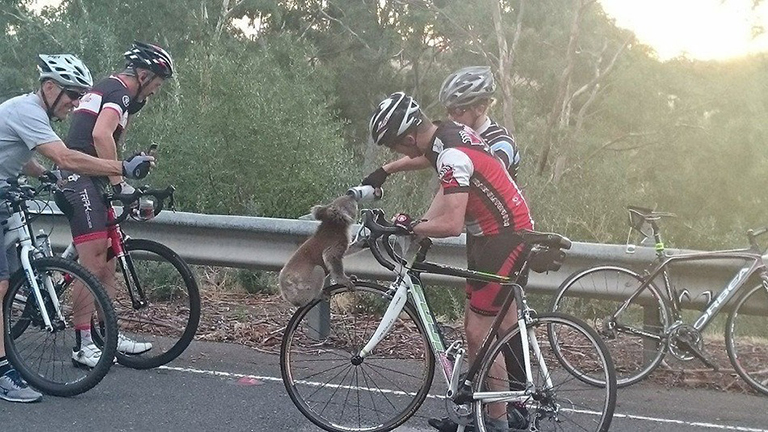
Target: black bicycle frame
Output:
{"points": [[757, 266]]}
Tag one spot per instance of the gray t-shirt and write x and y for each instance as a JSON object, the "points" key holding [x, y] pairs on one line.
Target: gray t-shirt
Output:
{"points": [[24, 125]]}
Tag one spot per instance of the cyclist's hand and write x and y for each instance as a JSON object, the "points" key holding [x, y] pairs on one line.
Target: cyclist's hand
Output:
{"points": [[123, 188], [376, 178], [53, 177], [137, 166], [405, 223]]}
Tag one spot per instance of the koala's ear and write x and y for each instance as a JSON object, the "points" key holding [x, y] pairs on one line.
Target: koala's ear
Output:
{"points": [[320, 212]]}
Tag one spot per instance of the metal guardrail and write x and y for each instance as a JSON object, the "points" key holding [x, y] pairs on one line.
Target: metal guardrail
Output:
{"points": [[267, 243]]}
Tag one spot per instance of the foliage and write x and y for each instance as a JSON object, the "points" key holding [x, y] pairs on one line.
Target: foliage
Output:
{"points": [[272, 124]]}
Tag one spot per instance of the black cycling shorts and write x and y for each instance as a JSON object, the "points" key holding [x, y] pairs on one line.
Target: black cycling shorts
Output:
{"points": [[82, 201], [500, 254]]}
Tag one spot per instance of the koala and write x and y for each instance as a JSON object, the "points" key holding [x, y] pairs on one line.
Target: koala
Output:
{"points": [[301, 279]]}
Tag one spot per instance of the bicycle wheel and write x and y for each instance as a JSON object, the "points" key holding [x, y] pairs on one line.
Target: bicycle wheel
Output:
{"points": [[593, 295], [333, 387], [746, 338], [558, 400], [44, 357], [169, 320]]}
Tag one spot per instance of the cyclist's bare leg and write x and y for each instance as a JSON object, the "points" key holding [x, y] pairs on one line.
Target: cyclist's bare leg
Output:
{"points": [[93, 256], [476, 327]]}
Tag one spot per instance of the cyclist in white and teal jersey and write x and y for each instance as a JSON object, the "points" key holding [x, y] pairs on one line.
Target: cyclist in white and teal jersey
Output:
{"points": [[25, 128]]}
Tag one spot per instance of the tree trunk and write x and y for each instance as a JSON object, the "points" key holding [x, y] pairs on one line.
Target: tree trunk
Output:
{"points": [[556, 114], [506, 61]]}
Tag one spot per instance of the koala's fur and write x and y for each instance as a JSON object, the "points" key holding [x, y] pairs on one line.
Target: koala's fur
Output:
{"points": [[301, 279]]}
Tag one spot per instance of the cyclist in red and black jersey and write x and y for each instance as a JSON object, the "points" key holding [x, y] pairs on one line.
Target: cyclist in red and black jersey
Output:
{"points": [[98, 127], [477, 192], [467, 95]]}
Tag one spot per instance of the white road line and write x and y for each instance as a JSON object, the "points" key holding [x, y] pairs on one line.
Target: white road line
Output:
{"points": [[615, 416]]}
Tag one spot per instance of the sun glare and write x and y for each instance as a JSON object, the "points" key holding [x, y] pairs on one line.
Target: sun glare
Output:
{"points": [[696, 29]]}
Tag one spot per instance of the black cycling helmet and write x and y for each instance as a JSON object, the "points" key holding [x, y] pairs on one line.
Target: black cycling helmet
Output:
{"points": [[151, 57], [467, 86], [394, 118]]}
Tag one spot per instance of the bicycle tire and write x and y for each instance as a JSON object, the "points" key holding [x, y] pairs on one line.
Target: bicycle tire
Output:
{"points": [[43, 357], [311, 353], [746, 338], [634, 355], [170, 320], [550, 408]]}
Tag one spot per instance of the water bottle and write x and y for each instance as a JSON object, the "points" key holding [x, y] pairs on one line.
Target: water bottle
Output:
{"points": [[365, 193]]}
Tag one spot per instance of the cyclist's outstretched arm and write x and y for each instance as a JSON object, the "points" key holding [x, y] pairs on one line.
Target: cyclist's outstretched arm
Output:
{"points": [[406, 164], [79, 162]]}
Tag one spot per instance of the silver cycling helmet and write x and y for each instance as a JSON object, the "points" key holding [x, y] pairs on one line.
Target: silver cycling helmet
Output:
{"points": [[67, 70], [466, 86], [394, 117]]}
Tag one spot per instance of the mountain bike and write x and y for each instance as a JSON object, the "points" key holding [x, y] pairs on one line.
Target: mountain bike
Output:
{"points": [[39, 313], [362, 357], [156, 299], [640, 322]]}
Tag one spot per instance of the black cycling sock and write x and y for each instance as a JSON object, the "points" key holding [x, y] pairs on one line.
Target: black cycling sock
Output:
{"points": [[4, 365]]}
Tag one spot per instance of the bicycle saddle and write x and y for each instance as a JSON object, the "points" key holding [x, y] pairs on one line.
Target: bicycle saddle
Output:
{"points": [[545, 239], [648, 214]]}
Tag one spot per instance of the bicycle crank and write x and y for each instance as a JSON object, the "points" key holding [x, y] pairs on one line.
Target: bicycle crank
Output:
{"points": [[686, 343]]}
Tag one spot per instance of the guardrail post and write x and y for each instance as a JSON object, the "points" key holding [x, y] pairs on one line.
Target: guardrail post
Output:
{"points": [[319, 320], [319, 317]]}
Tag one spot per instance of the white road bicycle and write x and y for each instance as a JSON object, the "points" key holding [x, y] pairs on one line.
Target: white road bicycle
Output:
{"points": [[39, 310], [362, 358]]}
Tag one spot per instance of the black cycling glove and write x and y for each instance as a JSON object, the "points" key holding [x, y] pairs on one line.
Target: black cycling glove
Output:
{"points": [[405, 223], [51, 176], [376, 178], [137, 166]]}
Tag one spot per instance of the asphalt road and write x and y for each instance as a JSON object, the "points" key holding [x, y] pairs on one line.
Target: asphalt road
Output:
{"points": [[224, 387]]}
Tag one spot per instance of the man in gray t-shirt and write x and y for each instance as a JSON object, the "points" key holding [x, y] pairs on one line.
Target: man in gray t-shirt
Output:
{"points": [[25, 127]]}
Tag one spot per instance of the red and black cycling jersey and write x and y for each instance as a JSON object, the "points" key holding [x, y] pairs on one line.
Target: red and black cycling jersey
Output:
{"points": [[465, 163], [109, 93]]}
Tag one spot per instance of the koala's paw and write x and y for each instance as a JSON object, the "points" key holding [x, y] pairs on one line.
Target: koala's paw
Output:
{"points": [[346, 281]]}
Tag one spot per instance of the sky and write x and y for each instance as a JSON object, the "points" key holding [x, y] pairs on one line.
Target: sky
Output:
{"points": [[697, 29]]}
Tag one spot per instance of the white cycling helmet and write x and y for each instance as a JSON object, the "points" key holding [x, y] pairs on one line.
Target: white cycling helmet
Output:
{"points": [[66, 69], [466, 86], [394, 117]]}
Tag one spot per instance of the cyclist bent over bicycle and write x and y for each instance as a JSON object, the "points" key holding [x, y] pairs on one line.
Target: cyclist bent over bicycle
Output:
{"points": [[25, 128], [476, 192], [98, 125]]}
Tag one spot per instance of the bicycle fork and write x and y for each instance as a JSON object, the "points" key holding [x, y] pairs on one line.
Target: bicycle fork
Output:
{"points": [[26, 252], [393, 310]]}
